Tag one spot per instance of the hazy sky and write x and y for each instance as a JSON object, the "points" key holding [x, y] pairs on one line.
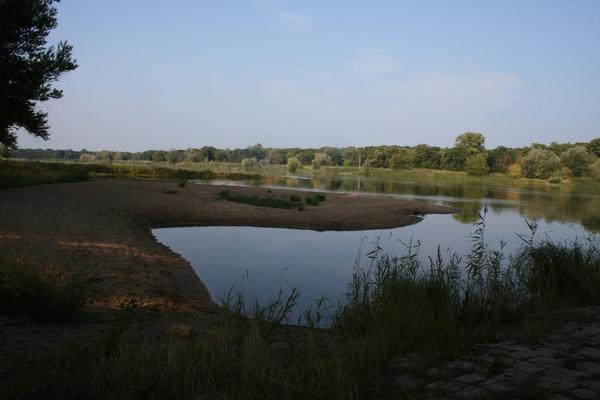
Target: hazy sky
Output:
{"points": [[178, 74]]}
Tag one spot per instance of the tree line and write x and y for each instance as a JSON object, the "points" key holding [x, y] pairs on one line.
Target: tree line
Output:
{"points": [[468, 154]]}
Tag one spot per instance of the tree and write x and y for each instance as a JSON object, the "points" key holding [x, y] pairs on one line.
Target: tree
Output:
{"points": [[403, 159], [577, 159], [477, 165], [594, 147], [595, 169], [249, 162], [173, 156], [158, 156], [454, 158], [320, 159], [28, 67], [293, 164], [539, 163], [515, 170], [4, 151], [471, 140], [104, 155]]}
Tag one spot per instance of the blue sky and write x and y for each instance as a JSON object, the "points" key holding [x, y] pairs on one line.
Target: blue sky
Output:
{"points": [[158, 74]]}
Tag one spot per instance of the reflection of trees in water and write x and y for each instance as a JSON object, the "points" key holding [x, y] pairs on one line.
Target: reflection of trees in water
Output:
{"points": [[533, 203], [469, 212]]}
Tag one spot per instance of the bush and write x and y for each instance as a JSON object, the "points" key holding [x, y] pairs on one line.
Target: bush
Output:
{"points": [[565, 173], [539, 163], [45, 293], [515, 170], [555, 180], [577, 159], [403, 159], [476, 165], [595, 169], [293, 164], [248, 163]]}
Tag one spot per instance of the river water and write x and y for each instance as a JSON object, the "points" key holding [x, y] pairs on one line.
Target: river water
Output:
{"points": [[260, 261]]}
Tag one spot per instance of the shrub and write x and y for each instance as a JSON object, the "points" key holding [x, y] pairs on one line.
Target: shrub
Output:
{"points": [[403, 159], [182, 183], [45, 293], [293, 164], [595, 169], [248, 163], [565, 173], [476, 165], [515, 170], [577, 159], [539, 163]]}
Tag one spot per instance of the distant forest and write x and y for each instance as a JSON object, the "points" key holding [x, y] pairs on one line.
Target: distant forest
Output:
{"points": [[468, 154]]}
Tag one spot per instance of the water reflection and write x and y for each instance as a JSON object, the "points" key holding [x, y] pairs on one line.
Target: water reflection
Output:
{"points": [[260, 261], [568, 204]]}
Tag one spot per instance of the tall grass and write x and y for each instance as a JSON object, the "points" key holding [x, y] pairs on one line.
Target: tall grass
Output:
{"points": [[394, 304], [45, 293]]}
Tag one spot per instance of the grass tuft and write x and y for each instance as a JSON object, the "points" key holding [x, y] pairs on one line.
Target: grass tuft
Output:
{"points": [[45, 293]]}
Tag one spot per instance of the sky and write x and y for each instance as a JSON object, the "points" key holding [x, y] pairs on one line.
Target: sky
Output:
{"points": [[178, 74]]}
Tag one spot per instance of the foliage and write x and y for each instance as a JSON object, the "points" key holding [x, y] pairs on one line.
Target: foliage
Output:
{"points": [[540, 163], [320, 159], [477, 165], [248, 163], [577, 159], [565, 173], [403, 159], [25, 173], [555, 180], [471, 141], [273, 201], [395, 304], [45, 293], [453, 159], [28, 67], [158, 156], [595, 169], [293, 164], [515, 170], [594, 147]]}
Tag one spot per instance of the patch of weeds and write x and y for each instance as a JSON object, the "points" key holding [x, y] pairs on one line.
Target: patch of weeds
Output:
{"points": [[111, 339], [46, 293], [315, 200], [182, 183]]}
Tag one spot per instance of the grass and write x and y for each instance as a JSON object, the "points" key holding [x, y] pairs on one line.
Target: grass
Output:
{"points": [[289, 202], [14, 173], [395, 304], [44, 293]]}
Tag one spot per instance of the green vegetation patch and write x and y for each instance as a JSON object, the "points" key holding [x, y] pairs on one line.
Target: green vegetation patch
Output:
{"points": [[292, 201], [15, 173]]}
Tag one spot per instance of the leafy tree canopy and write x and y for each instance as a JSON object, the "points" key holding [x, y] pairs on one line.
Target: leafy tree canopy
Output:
{"points": [[28, 67], [471, 141]]}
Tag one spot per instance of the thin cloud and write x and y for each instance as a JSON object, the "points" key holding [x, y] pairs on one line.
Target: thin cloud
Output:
{"points": [[293, 20], [373, 63]]}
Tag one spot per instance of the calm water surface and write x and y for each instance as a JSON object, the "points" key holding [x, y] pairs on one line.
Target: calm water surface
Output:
{"points": [[260, 261]]}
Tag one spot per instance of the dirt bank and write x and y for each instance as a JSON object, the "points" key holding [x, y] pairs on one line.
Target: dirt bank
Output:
{"points": [[103, 228]]}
